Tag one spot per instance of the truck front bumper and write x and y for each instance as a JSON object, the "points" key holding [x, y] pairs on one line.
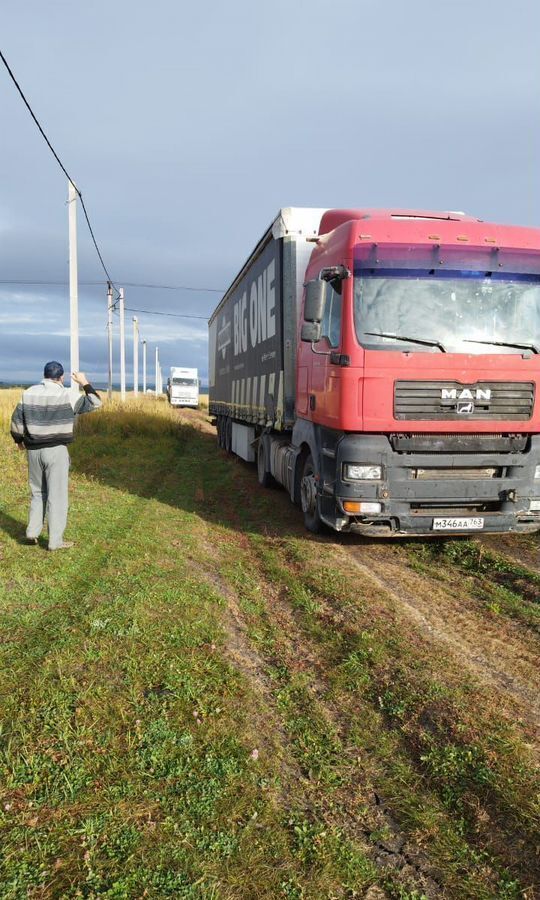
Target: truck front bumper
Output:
{"points": [[417, 488]]}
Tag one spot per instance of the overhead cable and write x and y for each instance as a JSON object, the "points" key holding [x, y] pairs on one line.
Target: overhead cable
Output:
{"points": [[60, 163], [153, 312], [134, 284], [173, 287]]}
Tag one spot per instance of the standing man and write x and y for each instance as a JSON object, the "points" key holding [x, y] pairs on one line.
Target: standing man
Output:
{"points": [[43, 425]]}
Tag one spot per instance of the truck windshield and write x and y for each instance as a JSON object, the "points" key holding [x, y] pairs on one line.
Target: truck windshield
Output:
{"points": [[185, 382], [428, 300]]}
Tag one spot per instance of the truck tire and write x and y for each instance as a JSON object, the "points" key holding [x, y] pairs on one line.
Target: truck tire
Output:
{"points": [[309, 497], [264, 475], [228, 434]]}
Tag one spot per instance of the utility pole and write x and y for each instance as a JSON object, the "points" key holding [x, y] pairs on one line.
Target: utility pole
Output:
{"points": [[156, 391], [122, 347], [135, 355], [110, 339], [73, 286], [144, 367]]}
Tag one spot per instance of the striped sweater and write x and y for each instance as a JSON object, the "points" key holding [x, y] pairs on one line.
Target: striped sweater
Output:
{"points": [[46, 414]]}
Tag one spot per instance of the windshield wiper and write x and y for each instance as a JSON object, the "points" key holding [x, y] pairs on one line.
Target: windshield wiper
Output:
{"points": [[411, 340], [518, 346]]}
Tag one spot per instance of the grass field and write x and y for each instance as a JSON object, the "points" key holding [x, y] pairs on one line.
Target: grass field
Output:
{"points": [[203, 701]]}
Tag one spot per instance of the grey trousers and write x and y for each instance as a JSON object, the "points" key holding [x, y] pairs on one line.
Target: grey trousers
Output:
{"points": [[48, 474]]}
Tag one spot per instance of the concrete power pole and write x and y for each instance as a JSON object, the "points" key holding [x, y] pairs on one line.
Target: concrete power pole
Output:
{"points": [[122, 346], [144, 367], [110, 339], [135, 355], [156, 391], [73, 286]]}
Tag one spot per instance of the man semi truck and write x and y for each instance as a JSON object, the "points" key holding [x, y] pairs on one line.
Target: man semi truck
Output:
{"points": [[183, 387], [383, 366]]}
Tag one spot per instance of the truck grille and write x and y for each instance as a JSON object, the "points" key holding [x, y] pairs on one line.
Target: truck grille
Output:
{"points": [[449, 400], [462, 442]]}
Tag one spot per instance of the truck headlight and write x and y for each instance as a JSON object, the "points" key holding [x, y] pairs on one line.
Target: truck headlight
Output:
{"points": [[537, 472], [353, 472]]}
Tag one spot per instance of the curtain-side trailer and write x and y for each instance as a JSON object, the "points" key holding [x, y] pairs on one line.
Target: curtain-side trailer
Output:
{"points": [[383, 366], [253, 335]]}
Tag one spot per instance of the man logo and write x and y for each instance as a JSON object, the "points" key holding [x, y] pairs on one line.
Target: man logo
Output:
{"points": [[466, 393], [465, 398]]}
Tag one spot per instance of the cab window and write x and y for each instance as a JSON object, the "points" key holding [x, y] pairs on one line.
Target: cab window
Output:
{"points": [[331, 323]]}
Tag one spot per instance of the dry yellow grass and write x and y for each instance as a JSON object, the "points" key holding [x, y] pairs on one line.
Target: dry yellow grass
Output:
{"points": [[8, 399], [143, 403]]}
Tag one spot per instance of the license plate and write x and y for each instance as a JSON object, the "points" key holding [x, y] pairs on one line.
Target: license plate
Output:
{"points": [[468, 524]]}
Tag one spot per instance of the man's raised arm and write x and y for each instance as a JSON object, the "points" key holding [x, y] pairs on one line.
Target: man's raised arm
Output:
{"points": [[90, 401]]}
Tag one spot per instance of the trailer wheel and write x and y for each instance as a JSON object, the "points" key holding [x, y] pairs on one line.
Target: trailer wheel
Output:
{"points": [[264, 475], [309, 497], [228, 434]]}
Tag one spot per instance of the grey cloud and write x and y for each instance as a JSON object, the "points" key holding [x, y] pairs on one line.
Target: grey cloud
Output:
{"points": [[187, 127]]}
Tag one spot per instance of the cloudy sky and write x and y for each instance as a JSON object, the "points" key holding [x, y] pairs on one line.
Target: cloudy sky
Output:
{"points": [[186, 126]]}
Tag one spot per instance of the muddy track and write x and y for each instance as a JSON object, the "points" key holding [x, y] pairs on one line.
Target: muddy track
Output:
{"points": [[395, 851], [499, 653]]}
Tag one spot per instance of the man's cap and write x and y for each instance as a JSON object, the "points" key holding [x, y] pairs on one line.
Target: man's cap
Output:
{"points": [[53, 370]]}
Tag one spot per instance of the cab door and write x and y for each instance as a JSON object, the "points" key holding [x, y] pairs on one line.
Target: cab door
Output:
{"points": [[324, 390]]}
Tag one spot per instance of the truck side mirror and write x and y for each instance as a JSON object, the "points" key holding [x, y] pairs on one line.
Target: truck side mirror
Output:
{"points": [[315, 300], [311, 332]]}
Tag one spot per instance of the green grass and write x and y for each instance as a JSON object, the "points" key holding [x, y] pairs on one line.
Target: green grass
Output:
{"points": [[503, 586], [199, 702], [127, 755]]}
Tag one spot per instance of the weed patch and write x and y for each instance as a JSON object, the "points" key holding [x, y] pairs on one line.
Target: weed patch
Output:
{"points": [[504, 587]]}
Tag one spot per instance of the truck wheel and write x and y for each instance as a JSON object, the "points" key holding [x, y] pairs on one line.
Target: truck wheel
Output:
{"points": [[263, 473], [309, 497], [228, 434]]}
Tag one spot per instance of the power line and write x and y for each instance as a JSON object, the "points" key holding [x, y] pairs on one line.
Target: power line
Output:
{"points": [[153, 312], [149, 312], [114, 307], [133, 284], [168, 287], [60, 163], [173, 287]]}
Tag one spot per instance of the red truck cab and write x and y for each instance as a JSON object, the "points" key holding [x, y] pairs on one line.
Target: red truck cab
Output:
{"points": [[417, 375]]}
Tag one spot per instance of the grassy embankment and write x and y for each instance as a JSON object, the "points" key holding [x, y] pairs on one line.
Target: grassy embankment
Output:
{"points": [[203, 701]]}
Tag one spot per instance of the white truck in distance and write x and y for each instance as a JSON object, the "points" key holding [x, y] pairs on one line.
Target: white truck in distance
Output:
{"points": [[183, 387]]}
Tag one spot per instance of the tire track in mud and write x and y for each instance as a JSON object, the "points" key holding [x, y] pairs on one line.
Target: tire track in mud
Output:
{"points": [[395, 852], [498, 653]]}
